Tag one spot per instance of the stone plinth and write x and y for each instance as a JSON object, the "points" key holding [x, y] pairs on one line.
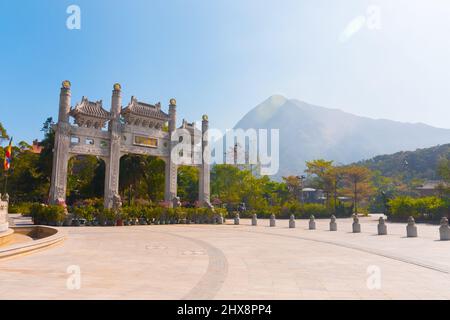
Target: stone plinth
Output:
{"points": [[4, 226]]}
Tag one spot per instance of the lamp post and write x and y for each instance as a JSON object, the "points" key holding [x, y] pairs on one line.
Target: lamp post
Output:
{"points": [[301, 178]]}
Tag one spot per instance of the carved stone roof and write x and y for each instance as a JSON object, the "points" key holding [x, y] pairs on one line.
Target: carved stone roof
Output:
{"points": [[90, 114], [145, 110], [90, 109]]}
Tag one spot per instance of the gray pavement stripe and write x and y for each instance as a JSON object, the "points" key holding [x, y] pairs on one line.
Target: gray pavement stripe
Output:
{"points": [[214, 277]]}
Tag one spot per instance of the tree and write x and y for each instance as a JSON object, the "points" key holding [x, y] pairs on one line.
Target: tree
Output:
{"points": [[3, 133], [318, 167], [320, 173], [188, 183], [443, 171], [293, 185], [332, 179], [226, 183], [358, 180]]}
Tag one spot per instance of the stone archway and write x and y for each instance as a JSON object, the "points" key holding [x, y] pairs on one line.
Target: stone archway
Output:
{"points": [[139, 128]]}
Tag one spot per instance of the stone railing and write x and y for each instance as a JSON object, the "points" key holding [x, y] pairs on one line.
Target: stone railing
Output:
{"points": [[4, 216]]}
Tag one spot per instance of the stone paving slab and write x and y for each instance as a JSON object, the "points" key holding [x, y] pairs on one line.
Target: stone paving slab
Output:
{"points": [[235, 262]]}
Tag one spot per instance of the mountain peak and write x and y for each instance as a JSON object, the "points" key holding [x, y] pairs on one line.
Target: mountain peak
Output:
{"points": [[309, 132], [277, 99]]}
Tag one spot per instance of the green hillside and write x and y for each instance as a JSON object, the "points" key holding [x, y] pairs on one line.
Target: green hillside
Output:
{"points": [[410, 165]]}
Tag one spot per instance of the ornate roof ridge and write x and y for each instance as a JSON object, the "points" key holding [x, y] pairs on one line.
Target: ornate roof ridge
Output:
{"points": [[90, 108], [143, 109]]}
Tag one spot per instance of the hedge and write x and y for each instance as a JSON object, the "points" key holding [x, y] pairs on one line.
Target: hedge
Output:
{"points": [[422, 209], [55, 215]]}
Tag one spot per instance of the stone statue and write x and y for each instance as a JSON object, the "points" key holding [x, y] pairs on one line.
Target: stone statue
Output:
{"points": [[356, 226], [292, 222], [312, 223], [272, 222], [176, 202], [117, 202], [333, 224], [411, 228], [382, 228], [444, 230], [254, 220], [6, 197]]}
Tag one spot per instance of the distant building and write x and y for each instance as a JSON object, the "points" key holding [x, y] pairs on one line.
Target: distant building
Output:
{"points": [[36, 147], [311, 195], [430, 188]]}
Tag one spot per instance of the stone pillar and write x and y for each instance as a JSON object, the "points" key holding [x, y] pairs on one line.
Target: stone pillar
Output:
{"points": [[292, 222], [254, 220], [382, 228], [272, 220], [170, 189], [333, 224], [204, 181], [444, 230], [411, 229], [356, 226], [112, 165], [312, 223], [61, 148]]}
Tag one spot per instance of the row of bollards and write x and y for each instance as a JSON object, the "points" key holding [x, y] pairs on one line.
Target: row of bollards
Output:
{"points": [[411, 228]]}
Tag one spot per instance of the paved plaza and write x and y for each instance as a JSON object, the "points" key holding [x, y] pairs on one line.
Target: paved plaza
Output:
{"points": [[236, 262]]}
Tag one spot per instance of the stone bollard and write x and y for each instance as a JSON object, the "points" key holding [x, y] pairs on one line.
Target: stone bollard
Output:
{"points": [[411, 229], [272, 220], [382, 227], [444, 230], [254, 220], [333, 224], [312, 223], [356, 226], [236, 219], [292, 222]]}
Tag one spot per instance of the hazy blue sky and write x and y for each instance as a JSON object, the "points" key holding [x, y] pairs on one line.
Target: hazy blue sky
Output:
{"points": [[224, 57]]}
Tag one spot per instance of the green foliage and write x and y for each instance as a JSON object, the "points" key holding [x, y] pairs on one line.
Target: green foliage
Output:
{"points": [[188, 184], [426, 208], [22, 208], [50, 215], [304, 211], [232, 186], [3, 134]]}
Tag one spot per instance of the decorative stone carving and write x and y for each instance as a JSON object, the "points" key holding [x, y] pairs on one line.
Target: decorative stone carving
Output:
{"points": [[292, 222], [312, 223], [444, 230], [272, 220], [356, 226], [333, 224], [382, 228], [4, 225], [117, 202], [254, 220], [411, 228]]}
